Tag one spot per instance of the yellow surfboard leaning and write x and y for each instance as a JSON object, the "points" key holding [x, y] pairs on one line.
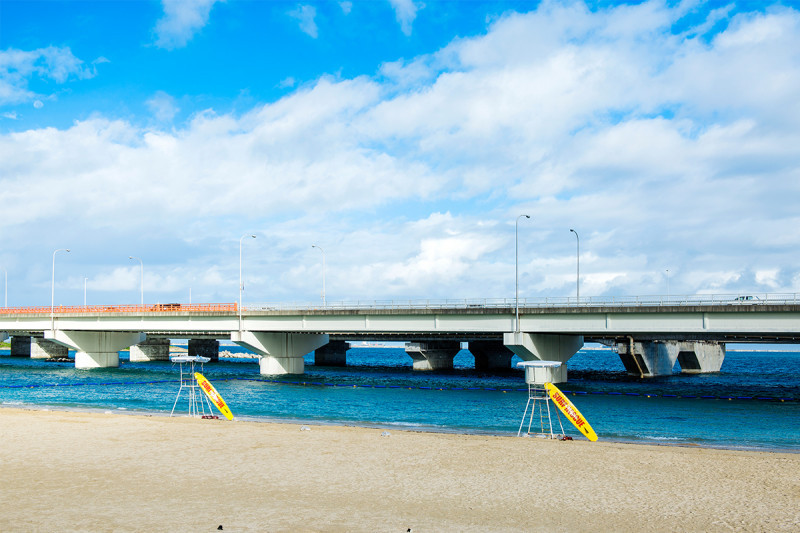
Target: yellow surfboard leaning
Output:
{"points": [[213, 395], [570, 411]]}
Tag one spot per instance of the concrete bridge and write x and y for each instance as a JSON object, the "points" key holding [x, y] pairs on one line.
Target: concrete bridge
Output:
{"points": [[649, 333]]}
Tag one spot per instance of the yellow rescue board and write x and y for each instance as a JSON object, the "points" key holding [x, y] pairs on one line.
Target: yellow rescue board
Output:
{"points": [[213, 395], [570, 411]]}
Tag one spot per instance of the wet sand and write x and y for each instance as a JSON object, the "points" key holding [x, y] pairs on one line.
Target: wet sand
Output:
{"points": [[74, 471]]}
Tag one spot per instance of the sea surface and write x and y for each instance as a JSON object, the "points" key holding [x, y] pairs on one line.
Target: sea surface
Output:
{"points": [[753, 403]]}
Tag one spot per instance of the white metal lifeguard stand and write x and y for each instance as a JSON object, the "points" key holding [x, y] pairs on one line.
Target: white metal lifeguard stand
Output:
{"points": [[197, 400], [537, 373]]}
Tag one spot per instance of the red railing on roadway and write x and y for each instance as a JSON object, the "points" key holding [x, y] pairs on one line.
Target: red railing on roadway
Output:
{"points": [[133, 309]]}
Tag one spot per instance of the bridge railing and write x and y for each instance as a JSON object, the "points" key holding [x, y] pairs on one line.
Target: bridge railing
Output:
{"points": [[133, 309], [506, 303], [466, 303]]}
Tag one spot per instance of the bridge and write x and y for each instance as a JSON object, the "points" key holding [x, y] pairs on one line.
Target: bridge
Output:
{"points": [[650, 334]]}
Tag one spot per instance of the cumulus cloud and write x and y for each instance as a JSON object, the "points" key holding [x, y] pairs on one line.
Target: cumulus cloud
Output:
{"points": [[664, 150], [181, 21]]}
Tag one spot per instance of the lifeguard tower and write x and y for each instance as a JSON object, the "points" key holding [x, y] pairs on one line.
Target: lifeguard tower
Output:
{"points": [[197, 400], [537, 373]]}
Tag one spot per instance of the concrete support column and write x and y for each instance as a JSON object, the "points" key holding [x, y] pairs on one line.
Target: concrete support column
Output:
{"points": [[20, 347], [700, 357], [204, 348], [150, 350], [491, 355], [44, 349], [95, 349], [281, 353], [433, 355], [332, 354], [545, 347], [647, 358]]}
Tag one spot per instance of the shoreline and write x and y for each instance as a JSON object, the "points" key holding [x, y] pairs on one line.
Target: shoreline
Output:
{"points": [[413, 428], [75, 471]]}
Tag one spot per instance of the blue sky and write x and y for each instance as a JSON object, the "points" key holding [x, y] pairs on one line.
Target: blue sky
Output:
{"points": [[404, 138]]}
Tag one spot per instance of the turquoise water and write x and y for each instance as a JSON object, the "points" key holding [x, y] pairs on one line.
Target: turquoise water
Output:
{"points": [[754, 403]]}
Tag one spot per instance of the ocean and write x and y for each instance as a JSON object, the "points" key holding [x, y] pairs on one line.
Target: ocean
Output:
{"points": [[753, 403]]}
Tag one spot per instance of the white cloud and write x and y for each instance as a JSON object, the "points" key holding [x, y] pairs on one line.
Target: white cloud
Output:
{"points": [[181, 21], [406, 12], [306, 15], [17, 67], [346, 7]]}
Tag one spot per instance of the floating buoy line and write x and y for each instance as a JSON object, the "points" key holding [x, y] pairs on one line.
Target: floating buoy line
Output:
{"points": [[410, 387]]}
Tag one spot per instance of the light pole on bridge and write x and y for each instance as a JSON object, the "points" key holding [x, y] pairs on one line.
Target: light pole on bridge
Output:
{"points": [[578, 277], [53, 290], [516, 268], [241, 285], [323, 272]]}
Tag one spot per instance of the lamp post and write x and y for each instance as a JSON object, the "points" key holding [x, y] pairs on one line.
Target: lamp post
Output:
{"points": [[5, 304], [578, 277], [323, 272], [516, 268], [53, 290], [141, 278], [241, 285], [667, 285], [84, 291]]}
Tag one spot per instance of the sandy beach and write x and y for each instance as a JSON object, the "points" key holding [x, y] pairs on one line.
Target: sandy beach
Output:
{"points": [[75, 471]]}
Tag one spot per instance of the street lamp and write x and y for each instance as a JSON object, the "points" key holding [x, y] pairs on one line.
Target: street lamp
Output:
{"points": [[53, 290], [668, 285], [323, 272], [578, 277], [6, 300], [84, 291], [516, 266], [241, 285], [141, 277]]}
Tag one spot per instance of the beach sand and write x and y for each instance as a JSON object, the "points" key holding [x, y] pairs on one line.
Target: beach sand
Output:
{"points": [[75, 471]]}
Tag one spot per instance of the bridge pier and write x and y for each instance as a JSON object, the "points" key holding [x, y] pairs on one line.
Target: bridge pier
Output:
{"points": [[204, 348], [647, 358], [45, 349], [150, 350], [95, 349], [332, 354], [20, 346], [545, 347], [700, 357], [281, 353], [433, 355], [657, 358], [491, 355]]}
